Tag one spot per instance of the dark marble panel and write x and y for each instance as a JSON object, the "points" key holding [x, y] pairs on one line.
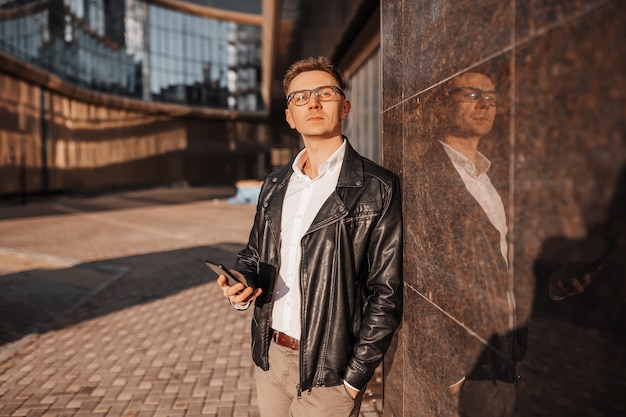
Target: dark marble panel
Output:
{"points": [[391, 48], [393, 362], [558, 154], [570, 205], [392, 139], [455, 265], [439, 353], [570, 158], [426, 120], [417, 122], [393, 376], [423, 120], [443, 38], [534, 16]]}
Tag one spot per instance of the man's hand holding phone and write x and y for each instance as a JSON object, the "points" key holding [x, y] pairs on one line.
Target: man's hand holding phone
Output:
{"points": [[238, 294], [234, 286]]}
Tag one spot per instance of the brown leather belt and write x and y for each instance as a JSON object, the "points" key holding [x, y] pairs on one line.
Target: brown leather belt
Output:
{"points": [[284, 340]]}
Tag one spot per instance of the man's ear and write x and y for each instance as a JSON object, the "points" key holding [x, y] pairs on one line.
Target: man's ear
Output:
{"points": [[289, 119], [346, 109]]}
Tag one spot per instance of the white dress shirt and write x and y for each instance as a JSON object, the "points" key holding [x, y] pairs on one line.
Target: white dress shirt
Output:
{"points": [[479, 185], [303, 200]]}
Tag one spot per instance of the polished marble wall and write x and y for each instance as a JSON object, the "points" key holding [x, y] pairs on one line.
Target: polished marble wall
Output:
{"points": [[557, 149]]}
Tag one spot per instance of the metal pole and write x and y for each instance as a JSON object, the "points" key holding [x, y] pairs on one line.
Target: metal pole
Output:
{"points": [[44, 142]]}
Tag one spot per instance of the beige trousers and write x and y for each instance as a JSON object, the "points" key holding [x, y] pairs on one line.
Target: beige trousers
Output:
{"points": [[278, 396]]}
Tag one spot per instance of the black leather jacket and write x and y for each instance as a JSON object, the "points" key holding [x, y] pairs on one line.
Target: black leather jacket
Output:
{"points": [[351, 273]]}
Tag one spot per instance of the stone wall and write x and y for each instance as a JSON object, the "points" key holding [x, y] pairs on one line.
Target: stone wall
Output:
{"points": [[558, 154]]}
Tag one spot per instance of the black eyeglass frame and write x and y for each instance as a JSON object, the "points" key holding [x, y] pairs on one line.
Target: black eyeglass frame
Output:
{"points": [[491, 97], [316, 92]]}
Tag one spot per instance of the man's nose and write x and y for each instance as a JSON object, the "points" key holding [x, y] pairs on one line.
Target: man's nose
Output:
{"points": [[482, 102], [314, 101]]}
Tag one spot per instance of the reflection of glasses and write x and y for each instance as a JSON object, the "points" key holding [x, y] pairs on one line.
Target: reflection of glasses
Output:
{"points": [[471, 94], [323, 93]]}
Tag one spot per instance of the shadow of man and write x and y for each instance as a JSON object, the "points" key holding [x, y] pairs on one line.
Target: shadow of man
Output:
{"points": [[588, 274]]}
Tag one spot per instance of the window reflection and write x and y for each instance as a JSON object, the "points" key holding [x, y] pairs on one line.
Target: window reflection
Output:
{"points": [[136, 49]]}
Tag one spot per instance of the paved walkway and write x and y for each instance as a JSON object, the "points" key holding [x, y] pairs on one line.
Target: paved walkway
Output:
{"points": [[107, 309]]}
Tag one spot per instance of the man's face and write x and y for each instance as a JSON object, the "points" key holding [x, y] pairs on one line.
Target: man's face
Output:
{"points": [[316, 118], [471, 119]]}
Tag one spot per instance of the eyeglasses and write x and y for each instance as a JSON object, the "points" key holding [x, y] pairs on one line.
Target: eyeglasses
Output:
{"points": [[323, 93], [471, 94]]}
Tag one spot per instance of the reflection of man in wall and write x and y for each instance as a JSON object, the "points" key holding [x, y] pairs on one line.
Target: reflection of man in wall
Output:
{"points": [[462, 244]]}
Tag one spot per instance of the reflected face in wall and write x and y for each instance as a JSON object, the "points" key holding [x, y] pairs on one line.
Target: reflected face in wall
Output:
{"points": [[321, 119], [467, 119]]}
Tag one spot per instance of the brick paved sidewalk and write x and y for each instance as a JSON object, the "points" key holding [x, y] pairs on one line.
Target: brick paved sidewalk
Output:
{"points": [[110, 311]]}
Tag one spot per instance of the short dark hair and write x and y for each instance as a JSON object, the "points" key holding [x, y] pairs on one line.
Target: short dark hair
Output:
{"points": [[319, 63]]}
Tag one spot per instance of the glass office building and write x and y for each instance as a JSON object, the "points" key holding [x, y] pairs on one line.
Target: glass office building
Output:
{"points": [[138, 49]]}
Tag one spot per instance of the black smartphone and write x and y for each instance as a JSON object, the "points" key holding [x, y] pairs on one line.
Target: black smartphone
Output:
{"points": [[220, 269]]}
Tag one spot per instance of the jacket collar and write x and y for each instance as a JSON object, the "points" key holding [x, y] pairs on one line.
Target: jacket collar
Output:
{"points": [[351, 176]]}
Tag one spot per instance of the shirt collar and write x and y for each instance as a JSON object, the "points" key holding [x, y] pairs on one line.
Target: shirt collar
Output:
{"points": [[461, 161], [332, 163]]}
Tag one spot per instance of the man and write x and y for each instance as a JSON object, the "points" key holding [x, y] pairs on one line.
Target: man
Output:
{"points": [[462, 254], [325, 253]]}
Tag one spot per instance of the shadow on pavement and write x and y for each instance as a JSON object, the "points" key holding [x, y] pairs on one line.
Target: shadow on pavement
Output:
{"points": [[41, 205], [38, 300]]}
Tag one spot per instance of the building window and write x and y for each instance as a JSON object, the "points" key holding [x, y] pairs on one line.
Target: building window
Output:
{"points": [[363, 124], [137, 49]]}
